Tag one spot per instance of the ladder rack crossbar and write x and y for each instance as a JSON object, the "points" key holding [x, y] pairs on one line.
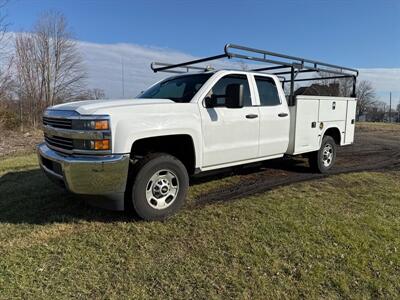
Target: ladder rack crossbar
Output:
{"points": [[296, 65]]}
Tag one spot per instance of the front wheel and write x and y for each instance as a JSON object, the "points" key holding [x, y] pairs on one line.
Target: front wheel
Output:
{"points": [[322, 160], [159, 187]]}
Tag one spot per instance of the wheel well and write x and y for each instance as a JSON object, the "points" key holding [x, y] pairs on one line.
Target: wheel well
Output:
{"points": [[181, 146], [334, 133]]}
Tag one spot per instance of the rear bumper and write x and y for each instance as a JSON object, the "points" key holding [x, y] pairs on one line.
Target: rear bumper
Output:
{"points": [[102, 175]]}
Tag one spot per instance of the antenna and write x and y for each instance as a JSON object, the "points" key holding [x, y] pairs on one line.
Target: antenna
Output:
{"points": [[123, 77], [390, 107]]}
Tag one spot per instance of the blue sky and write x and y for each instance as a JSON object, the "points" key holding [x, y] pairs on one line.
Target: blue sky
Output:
{"points": [[356, 33]]}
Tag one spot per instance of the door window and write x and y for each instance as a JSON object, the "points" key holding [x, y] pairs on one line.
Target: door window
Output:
{"points": [[267, 91], [218, 92]]}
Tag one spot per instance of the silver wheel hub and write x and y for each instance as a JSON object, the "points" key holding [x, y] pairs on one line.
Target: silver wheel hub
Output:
{"points": [[327, 155], [162, 189]]}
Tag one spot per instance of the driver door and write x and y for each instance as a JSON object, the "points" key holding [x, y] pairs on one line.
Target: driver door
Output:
{"points": [[230, 135]]}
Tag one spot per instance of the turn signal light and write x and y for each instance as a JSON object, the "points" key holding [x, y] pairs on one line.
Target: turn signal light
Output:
{"points": [[101, 145], [101, 125]]}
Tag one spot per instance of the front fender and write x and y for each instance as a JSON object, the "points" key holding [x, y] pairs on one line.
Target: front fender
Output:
{"points": [[127, 132]]}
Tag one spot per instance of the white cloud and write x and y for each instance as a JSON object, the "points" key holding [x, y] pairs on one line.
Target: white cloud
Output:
{"points": [[384, 80], [104, 66], [103, 62]]}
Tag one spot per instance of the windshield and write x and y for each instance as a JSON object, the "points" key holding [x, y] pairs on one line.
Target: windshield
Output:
{"points": [[179, 89]]}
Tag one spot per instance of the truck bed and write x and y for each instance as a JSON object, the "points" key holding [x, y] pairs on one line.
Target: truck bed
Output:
{"points": [[313, 115]]}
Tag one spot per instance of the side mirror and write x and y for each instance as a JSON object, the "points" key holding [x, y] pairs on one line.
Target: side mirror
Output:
{"points": [[234, 95], [209, 102]]}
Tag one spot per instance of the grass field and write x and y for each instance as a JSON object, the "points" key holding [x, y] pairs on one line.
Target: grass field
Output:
{"points": [[379, 126], [331, 238]]}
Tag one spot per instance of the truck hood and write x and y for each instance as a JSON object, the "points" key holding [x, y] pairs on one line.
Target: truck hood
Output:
{"points": [[91, 106]]}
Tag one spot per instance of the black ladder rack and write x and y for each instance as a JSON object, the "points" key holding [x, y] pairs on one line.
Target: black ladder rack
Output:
{"points": [[278, 64]]}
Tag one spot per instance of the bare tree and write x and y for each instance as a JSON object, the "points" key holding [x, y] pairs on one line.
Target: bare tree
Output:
{"points": [[28, 80], [342, 87], [3, 25], [49, 66], [93, 94], [366, 97], [376, 111], [5, 59]]}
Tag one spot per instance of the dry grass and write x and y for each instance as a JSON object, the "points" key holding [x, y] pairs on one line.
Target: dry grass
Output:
{"points": [[14, 142], [379, 126]]}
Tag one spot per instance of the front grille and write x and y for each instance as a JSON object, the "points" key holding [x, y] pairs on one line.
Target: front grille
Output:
{"points": [[59, 142], [57, 122]]}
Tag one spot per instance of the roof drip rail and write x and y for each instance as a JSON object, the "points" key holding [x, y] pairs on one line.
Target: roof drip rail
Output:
{"points": [[275, 61]]}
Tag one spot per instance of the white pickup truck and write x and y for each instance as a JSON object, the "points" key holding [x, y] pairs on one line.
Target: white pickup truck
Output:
{"points": [[139, 153]]}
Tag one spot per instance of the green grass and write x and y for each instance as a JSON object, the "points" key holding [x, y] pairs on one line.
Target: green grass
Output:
{"points": [[332, 238]]}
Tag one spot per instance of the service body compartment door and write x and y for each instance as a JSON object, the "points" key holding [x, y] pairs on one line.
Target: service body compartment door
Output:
{"points": [[306, 129], [350, 121], [332, 110]]}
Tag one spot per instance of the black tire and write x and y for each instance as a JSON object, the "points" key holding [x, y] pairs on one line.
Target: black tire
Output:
{"points": [[318, 161], [140, 181]]}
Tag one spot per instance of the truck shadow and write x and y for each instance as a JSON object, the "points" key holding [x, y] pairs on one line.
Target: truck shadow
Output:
{"points": [[282, 166], [30, 197]]}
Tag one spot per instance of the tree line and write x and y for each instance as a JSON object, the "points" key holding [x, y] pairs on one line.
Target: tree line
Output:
{"points": [[40, 68]]}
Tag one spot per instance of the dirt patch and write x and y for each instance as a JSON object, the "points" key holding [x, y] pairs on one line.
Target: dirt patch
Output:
{"points": [[372, 150], [16, 142]]}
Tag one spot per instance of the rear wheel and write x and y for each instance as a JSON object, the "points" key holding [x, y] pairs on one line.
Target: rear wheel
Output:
{"points": [[159, 186], [322, 160]]}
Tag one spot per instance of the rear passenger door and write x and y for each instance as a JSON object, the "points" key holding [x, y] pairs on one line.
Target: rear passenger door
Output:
{"points": [[274, 117]]}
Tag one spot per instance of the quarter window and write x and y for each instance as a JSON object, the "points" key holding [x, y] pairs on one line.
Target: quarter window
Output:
{"points": [[218, 92], [267, 91]]}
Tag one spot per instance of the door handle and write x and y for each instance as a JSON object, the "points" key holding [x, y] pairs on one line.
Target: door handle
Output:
{"points": [[282, 115], [251, 116]]}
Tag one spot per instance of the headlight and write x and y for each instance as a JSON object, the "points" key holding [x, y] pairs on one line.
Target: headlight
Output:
{"points": [[91, 124], [93, 141]]}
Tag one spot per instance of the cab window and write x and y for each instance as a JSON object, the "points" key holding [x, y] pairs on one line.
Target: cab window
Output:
{"points": [[179, 88], [218, 92], [267, 91]]}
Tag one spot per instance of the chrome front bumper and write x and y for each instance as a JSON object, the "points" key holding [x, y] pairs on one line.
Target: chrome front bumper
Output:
{"points": [[95, 175]]}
